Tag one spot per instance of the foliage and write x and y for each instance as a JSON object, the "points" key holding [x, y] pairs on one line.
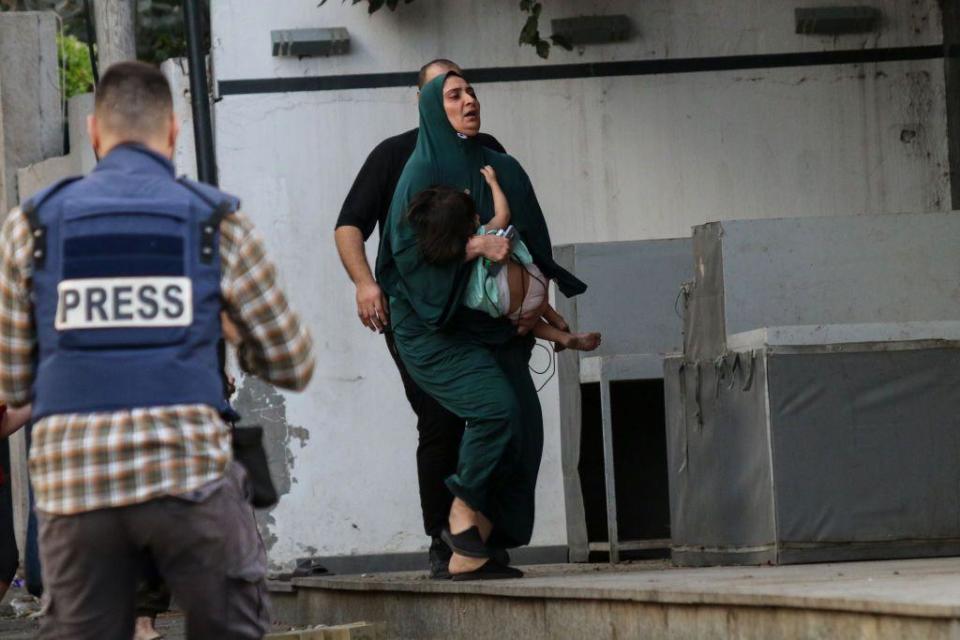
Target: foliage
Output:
{"points": [[74, 59], [375, 4], [529, 34], [159, 24]]}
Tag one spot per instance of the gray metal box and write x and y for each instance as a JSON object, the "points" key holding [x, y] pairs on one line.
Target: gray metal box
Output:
{"points": [[835, 21], [592, 29], [789, 453], [832, 270], [632, 299], [310, 42]]}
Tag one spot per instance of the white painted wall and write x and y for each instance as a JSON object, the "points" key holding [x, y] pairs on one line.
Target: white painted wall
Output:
{"points": [[612, 159]]}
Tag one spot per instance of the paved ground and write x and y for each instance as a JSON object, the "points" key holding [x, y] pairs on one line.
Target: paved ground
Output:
{"points": [[170, 625], [12, 628]]}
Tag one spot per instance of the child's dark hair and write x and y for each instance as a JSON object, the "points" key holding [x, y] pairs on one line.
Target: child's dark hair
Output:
{"points": [[443, 219]]}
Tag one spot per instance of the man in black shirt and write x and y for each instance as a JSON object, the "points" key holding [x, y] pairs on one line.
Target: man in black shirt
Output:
{"points": [[365, 207]]}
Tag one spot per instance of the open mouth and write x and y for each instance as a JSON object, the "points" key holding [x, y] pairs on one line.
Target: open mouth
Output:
{"points": [[471, 114]]}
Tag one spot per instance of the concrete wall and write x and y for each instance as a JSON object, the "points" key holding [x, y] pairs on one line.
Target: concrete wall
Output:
{"points": [[34, 177], [81, 160], [617, 158], [31, 121]]}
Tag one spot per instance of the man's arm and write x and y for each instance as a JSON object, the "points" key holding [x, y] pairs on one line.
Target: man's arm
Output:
{"points": [[273, 344], [372, 307], [17, 337], [367, 199], [13, 419]]}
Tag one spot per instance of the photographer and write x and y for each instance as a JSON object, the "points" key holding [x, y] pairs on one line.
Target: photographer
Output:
{"points": [[111, 292]]}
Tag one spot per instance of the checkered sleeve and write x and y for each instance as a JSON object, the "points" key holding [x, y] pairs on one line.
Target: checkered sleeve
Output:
{"points": [[275, 344], [17, 336]]}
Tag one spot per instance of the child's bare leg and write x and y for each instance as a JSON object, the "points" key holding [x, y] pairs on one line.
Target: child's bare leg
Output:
{"points": [[544, 331], [578, 341], [554, 319]]}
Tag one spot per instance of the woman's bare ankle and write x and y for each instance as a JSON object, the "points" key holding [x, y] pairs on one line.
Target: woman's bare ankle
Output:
{"points": [[463, 564], [462, 517]]}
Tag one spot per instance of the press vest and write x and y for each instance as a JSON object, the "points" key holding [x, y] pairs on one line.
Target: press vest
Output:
{"points": [[126, 288]]}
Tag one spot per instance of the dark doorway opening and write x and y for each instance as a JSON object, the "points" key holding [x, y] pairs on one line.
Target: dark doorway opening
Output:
{"points": [[640, 462]]}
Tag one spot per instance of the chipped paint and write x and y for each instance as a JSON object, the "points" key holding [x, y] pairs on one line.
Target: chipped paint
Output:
{"points": [[261, 404]]}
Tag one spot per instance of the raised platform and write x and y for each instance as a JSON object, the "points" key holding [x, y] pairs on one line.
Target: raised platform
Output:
{"points": [[651, 600]]}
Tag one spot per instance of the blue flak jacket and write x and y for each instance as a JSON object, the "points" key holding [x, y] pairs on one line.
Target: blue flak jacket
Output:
{"points": [[126, 288]]}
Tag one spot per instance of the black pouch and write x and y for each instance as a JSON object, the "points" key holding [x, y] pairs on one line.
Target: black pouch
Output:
{"points": [[248, 451]]}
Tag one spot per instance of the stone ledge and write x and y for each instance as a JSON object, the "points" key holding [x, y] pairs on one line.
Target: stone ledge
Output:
{"points": [[914, 588]]}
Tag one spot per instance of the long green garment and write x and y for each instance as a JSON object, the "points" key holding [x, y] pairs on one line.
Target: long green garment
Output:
{"points": [[473, 364]]}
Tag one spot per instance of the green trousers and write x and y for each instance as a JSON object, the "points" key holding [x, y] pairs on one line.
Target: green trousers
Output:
{"points": [[489, 386]]}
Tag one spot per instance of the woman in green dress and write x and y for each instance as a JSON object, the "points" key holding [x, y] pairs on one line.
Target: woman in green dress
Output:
{"points": [[474, 365]]}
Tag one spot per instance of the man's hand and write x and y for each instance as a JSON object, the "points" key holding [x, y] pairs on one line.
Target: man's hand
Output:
{"points": [[371, 303], [492, 247], [372, 306], [13, 418], [231, 333]]}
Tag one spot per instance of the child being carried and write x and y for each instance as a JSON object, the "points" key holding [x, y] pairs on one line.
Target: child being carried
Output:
{"points": [[445, 219]]}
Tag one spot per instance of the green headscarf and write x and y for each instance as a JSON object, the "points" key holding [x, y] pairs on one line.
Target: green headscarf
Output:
{"points": [[445, 157]]}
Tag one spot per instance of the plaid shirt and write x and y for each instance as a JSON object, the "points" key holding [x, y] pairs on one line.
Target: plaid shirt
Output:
{"points": [[82, 462]]}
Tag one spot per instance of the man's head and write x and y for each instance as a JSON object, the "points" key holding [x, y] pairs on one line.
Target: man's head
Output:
{"points": [[133, 104], [435, 68]]}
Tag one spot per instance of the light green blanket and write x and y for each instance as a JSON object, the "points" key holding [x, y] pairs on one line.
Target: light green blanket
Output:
{"points": [[482, 292]]}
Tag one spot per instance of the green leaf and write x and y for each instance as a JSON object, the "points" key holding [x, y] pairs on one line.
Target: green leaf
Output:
{"points": [[537, 9], [543, 49], [530, 33], [374, 5], [525, 5], [75, 62]]}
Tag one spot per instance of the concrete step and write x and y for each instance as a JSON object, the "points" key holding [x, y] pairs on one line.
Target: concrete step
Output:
{"points": [[649, 600], [353, 631]]}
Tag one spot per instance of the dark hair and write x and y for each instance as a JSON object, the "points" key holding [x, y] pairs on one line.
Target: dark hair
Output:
{"points": [[422, 78], [443, 220], [133, 99]]}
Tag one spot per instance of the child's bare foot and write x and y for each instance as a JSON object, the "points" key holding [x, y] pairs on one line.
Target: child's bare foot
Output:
{"points": [[581, 341]]}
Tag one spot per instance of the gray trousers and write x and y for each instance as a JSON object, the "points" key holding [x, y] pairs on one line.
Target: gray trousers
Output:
{"points": [[206, 548]]}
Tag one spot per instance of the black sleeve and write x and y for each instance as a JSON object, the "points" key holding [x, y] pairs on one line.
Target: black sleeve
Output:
{"points": [[490, 142], [368, 196]]}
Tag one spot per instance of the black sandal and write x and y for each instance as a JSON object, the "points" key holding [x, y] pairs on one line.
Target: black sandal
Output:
{"points": [[492, 570], [466, 543]]}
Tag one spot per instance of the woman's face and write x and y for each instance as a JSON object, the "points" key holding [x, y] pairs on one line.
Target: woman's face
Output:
{"points": [[461, 105]]}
